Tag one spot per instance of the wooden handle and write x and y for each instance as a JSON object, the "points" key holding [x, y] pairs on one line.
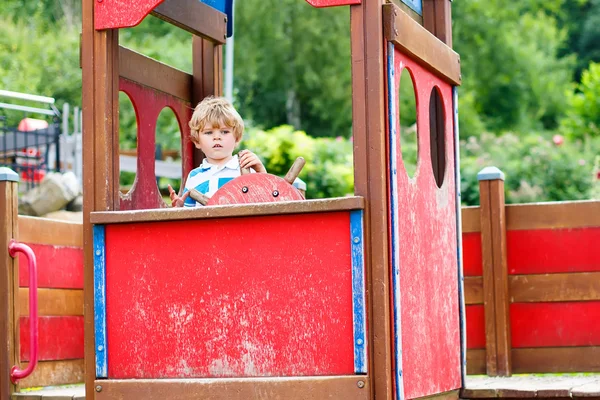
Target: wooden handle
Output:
{"points": [[244, 171], [293, 173], [199, 197]]}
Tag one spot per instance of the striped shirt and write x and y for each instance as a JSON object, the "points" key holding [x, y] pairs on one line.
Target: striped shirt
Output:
{"points": [[208, 178]]}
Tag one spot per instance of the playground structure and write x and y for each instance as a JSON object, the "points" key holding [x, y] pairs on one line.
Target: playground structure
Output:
{"points": [[353, 298]]}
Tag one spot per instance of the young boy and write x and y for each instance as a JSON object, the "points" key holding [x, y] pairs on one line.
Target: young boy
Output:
{"points": [[216, 129]]}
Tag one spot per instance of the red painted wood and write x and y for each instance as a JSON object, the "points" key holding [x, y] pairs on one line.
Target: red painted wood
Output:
{"points": [[546, 251], [475, 327], [259, 188], [58, 267], [251, 296], [555, 324], [111, 14], [428, 263], [332, 3], [148, 103], [60, 338], [472, 258]]}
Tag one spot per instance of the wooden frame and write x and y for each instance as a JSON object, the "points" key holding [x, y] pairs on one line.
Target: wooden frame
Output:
{"points": [[403, 31]]}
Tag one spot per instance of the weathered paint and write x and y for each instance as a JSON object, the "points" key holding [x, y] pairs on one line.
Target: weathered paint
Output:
{"points": [[112, 14], [148, 104], [58, 267], [395, 246], [100, 301], [358, 291], [60, 337], [255, 188], [547, 251], [248, 296], [555, 324], [332, 3], [459, 249], [424, 244]]}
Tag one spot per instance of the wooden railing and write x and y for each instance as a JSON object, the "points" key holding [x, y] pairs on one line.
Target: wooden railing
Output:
{"points": [[532, 284]]}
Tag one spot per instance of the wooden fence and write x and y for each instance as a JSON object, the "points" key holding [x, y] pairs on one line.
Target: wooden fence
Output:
{"points": [[532, 285]]}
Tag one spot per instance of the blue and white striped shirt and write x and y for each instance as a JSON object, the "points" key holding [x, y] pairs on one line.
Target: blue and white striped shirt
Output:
{"points": [[209, 178]]}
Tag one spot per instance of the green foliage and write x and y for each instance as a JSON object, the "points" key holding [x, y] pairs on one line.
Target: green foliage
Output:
{"points": [[328, 171], [583, 113]]}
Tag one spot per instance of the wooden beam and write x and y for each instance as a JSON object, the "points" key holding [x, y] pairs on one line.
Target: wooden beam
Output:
{"points": [[556, 360], [153, 74], [305, 388], [237, 210], [53, 302], [470, 219], [583, 286], [53, 373], [429, 51], [36, 230], [195, 17], [437, 19], [473, 290], [569, 214]]}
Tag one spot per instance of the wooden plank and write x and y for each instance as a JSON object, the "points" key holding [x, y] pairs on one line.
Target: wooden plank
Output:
{"points": [[556, 360], [473, 290], [47, 231], [195, 17], [58, 267], [9, 342], [450, 395], [310, 388], [470, 219], [475, 362], [437, 19], [476, 333], [154, 74], [53, 373], [70, 392], [583, 286], [562, 250], [569, 214], [242, 210], [58, 302], [556, 387], [404, 32], [60, 338]]}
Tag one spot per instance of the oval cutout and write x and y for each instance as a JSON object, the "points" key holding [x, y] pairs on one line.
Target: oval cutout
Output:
{"points": [[407, 109], [168, 151], [128, 133], [437, 136]]}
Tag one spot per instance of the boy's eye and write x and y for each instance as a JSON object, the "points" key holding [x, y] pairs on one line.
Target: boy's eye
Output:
{"points": [[225, 131], [208, 132]]}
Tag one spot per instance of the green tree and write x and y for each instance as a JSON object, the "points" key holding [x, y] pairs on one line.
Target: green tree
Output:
{"points": [[583, 114]]}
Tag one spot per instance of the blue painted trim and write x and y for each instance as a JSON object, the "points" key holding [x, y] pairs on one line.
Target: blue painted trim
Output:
{"points": [[490, 174], [358, 291], [395, 245], [100, 302], [459, 248], [225, 6], [415, 5]]}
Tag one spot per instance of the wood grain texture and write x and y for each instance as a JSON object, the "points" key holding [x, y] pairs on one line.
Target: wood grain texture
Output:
{"points": [[583, 286], [58, 302], [431, 52], [313, 388], [437, 19], [470, 219], [50, 232], [178, 214], [53, 373], [195, 17], [473, 290], [476, 362], [569, 214], [153, 74]]}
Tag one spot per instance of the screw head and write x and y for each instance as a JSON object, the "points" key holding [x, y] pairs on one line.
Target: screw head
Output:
{"points": [[245, 189], [275, 193], [360, 384], [98, 388], [359, 342], [100, 348], [98, 252], [356, 240]]}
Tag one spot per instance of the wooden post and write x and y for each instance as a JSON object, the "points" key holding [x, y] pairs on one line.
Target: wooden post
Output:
{"points": [[8, 280], [437, 19], [495, 272]]}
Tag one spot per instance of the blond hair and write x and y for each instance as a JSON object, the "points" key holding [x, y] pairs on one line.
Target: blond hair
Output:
{"points": [[214, 112]]}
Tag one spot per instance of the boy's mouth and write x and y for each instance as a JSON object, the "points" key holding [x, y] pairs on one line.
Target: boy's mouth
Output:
{"points": [[217, 146]]}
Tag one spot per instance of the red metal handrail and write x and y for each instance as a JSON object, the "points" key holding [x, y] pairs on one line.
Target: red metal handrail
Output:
{"points": [[16, 373]]}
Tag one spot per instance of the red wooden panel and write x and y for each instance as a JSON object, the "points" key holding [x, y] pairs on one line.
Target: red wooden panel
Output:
{"points": [[110, 14], [427, 249], [472, 259], [255, 188], [332, 3], [58, 267], [60, 338], [475, 327], [148, 103], [555, 324], [544, 251], [253, 296]]}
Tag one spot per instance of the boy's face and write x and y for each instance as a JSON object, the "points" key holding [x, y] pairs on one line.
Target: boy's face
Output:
{"points": [[217, 144]]}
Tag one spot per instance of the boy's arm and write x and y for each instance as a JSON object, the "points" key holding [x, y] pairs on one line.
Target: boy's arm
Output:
{"points": [[250, 160]]}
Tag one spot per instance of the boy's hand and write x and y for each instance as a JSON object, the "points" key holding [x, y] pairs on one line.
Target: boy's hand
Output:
{"points": [[177, 201], [250, 160]]}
